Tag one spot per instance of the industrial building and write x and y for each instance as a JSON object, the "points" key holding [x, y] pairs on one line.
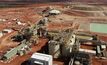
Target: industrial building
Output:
{"points": [[63, 33], [41, 59]]}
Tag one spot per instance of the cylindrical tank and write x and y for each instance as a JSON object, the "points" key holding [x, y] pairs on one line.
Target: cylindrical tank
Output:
{"points": [[54, 48], [66, 50], [67, 47]]}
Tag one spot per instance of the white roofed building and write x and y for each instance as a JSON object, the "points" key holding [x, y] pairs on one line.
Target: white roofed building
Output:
{"points": [[41, 59], [54, 12]]}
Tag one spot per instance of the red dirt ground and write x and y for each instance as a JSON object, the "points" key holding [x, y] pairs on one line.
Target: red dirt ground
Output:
{"points": [[30, 14]]}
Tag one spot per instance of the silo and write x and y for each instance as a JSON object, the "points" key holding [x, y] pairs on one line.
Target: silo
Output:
{"points": [[54, 48]]}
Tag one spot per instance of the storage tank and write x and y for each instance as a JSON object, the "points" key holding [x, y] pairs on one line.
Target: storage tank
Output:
{"points": [[68, 45], [54, 48]]}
